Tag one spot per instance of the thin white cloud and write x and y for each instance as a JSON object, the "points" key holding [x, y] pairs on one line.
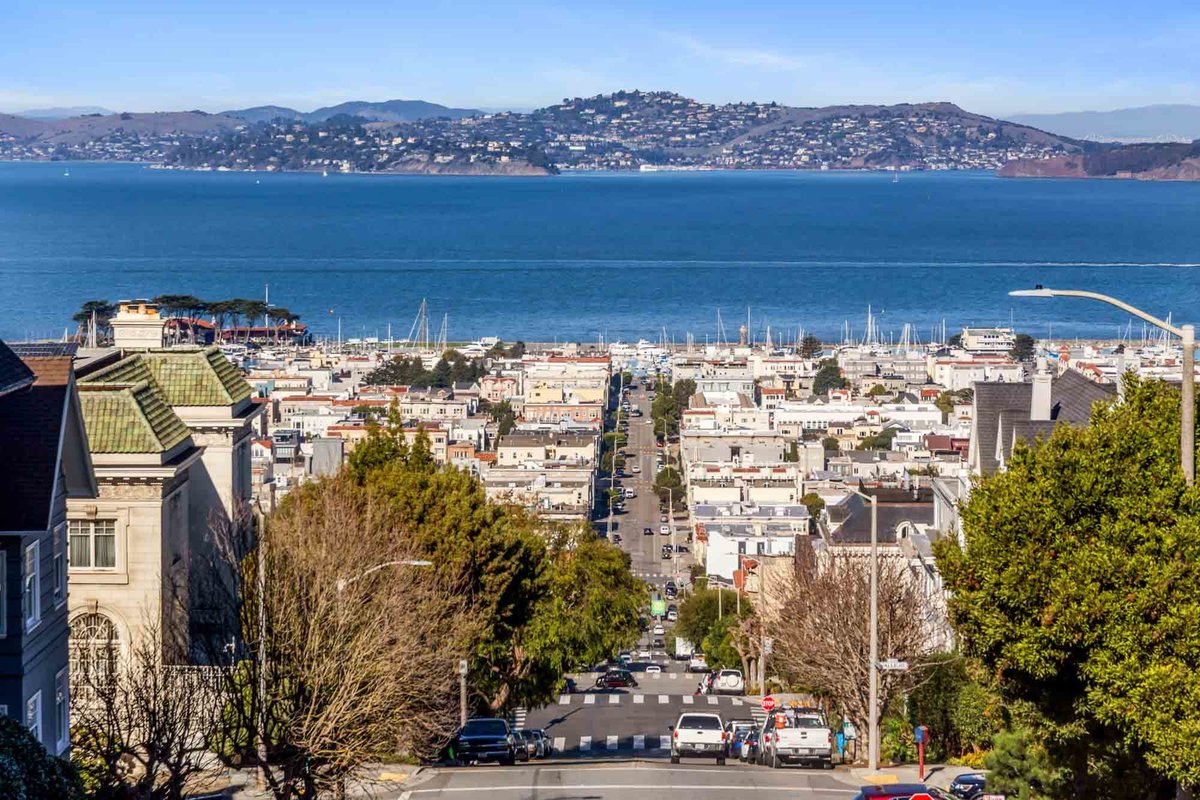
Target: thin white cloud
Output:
{"points": [[740, 56]]}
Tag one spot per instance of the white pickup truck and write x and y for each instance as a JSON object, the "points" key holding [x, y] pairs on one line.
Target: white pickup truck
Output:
{"points": [[700, 735], [795, 736]]}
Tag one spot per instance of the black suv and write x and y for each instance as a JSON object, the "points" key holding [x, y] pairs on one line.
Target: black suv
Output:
{"points": [[486, 739]]}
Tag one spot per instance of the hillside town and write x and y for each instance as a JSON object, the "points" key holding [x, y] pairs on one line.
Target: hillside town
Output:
{"points": [[619, 131]]}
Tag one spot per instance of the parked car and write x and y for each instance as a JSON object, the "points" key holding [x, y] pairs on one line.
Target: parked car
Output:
{"points": [[969, 786], [729, 681], [659, 630], [665, 530], [616, 679], [697, 663], [653, 668], [635, 469], [701, 735], [487, 739], [672, 615], [900, 791], [527, 740], [737, 731], [625, 658], [749, 753], [545, 744], [647, 531], [795, 736]]}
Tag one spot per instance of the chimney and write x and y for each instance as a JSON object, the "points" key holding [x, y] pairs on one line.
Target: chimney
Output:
{"points": [[1039, 404], [137, 325]]}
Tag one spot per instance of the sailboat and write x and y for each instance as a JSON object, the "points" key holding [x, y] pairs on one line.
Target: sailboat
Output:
{"points": [[896, 175], [67, 172], [324, 173]]}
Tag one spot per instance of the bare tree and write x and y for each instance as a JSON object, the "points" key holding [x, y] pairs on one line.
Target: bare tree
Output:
{"points": [[821, 638], [141, 728], [361, 650]]}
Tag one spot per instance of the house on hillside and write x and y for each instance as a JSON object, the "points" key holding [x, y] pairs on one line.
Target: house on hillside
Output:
{"points": [[42, 431]]}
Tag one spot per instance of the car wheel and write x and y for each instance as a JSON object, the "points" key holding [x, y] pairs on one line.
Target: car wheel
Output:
{"points": [[507, 761], [674, 759], [720, 761], [775, 762], [827, 763]]}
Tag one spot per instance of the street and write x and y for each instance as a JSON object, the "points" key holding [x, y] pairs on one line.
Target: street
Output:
{"points": [[635, 779], [643, 511]]}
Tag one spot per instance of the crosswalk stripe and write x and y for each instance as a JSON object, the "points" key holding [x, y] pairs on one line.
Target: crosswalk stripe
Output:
{"points": [[585, 743], [664, 742], [662, 698], [611, 743], [589, 699], [614, 699], [564, 699], [560, 744], [712, 701], [688, 699], [737, 701], [639, 698], [639, 743], [657, 675]]}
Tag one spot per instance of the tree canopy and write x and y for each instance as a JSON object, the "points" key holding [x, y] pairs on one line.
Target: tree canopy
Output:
{"points": [[1079, 587], [829, 376]]}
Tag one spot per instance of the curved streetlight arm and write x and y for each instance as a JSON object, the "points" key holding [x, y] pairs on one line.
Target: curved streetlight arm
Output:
{"points": [[407, 562], [1103, 298]]}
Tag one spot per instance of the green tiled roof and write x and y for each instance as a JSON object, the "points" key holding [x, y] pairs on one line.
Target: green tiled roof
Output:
{"points": [[186, 376], [129, 418]]}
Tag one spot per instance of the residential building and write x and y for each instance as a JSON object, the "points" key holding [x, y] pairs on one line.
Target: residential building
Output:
{"points": [[41, 429]]}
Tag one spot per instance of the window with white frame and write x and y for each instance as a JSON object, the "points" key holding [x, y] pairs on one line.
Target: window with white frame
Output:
{"points": [[94, 648], [93, 544], [62, 710], [31, 593], [33, 715], [60, 568]]}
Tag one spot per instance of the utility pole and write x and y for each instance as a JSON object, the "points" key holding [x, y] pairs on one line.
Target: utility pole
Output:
{"points": [[462, 692]]}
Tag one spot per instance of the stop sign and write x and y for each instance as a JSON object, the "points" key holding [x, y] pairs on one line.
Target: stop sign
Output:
{"points": [[768, 704]]}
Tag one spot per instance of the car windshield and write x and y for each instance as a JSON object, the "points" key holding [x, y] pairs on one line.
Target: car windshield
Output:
{"points": [[485, 727], [798, 721], [697, 722]]}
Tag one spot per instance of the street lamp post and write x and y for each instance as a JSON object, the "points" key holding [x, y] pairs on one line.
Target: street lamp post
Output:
{"points": [[1186, 334], [873, 699]]}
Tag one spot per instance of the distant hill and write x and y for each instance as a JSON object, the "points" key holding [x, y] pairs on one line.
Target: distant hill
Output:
{"points": [[385, 111], [1160, 123], [63, 112], [264, 114], [82, 129], [1171, 161]]}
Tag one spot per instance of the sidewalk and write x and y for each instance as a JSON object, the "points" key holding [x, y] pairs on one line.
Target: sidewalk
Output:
{"points": [[935, 775]]}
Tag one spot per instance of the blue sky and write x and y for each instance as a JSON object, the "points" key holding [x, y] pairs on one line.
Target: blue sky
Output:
{"points": [[996, 58]]}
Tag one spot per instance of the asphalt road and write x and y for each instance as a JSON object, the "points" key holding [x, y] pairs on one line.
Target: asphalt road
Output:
{"points": [[643, 511], [547, 780]]}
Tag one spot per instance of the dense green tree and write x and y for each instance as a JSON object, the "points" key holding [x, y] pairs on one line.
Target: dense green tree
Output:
{"points": [[829, 377], [708, 619], [877, 390], [503, 415], [880, 441], [682, 393], [668, 485], [102, 310], [385, 444], [813, 502], [959, 706], [1079, 587], [1024, 347], [831, 443], [810, 346], [28, 772]]}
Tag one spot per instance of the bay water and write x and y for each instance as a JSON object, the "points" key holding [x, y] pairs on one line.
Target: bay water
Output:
{"points": [[585, 256]]}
